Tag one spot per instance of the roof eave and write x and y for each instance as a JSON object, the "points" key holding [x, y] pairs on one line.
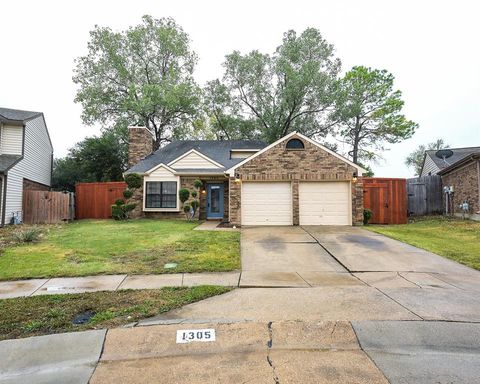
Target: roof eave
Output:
{"points": [[459, 163]]}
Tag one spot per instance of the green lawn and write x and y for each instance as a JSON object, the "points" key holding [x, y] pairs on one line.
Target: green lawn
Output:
{"points": [[92, 247], [41, 315], [455, 239]]}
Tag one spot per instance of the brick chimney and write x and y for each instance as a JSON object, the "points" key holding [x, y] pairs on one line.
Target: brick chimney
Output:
{"points": [[140, 144]]}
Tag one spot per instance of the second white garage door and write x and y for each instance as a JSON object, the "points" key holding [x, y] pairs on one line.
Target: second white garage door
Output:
{"points": [[267, 203], [325, 203]]}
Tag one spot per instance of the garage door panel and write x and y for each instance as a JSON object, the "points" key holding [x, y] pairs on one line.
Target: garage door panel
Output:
{"points": [[266, 203], [324, 203]]}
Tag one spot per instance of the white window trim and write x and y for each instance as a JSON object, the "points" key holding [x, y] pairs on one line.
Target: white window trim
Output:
{"points": [[157, 179]]}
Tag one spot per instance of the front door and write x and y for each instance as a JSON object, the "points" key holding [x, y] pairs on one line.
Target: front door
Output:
{"points": [[214, 201]]}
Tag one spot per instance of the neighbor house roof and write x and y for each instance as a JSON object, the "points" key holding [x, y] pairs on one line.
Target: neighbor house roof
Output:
{"points": [[458, 154], [465, 160], [217, 150], [16, 115]]}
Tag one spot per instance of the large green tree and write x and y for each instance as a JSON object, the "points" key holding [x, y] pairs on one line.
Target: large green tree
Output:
{"points": [[367, 113], [224, 115], [102, 158], [143, 76], [415, 158], [275, 94]]}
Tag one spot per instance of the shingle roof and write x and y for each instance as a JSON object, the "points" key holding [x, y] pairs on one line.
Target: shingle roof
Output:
{"points": [[7, 161], [218, 151], [465, 160], [458, 154], [17, 115]]}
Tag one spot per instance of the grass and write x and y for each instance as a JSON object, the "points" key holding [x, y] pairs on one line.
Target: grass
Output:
{"points": [[92, 247], [41, 315], [452, 238]]}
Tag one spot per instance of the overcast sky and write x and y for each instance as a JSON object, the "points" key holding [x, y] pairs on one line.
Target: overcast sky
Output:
{"points": [[432, 48]]}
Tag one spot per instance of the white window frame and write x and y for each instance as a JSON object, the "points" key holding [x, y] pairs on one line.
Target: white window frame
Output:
{"points": [[148, 179]]}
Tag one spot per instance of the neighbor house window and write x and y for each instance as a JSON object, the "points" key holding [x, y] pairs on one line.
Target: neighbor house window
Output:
{"points": [[161, 194], [295, 144]]}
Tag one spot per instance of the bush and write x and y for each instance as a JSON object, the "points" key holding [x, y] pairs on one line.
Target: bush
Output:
{"points": [[118, 212], [127, 193], [119, 202], [197, 184], [186, 208], [133, 180], [129, 207], [27, 235], [367, 215], [194, 194], [183, 194], [195, 204]]}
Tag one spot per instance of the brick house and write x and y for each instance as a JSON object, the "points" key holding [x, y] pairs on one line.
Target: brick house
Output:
{"points": [[294, 181], [464, 177]]}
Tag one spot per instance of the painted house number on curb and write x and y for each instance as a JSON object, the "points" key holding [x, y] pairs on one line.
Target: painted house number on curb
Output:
{"points": [[190, 335]]}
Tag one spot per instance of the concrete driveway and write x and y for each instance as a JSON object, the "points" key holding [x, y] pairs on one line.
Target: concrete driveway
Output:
{"points": [[315, 305]]}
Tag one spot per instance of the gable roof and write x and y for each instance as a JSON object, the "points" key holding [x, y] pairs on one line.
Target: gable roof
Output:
{"points": [[458, 154], [303, 137], [194, 152], [17, 115], [216, 150]]}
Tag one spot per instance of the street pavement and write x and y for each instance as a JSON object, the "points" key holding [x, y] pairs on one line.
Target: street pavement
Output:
{"points": [[314, 305]]}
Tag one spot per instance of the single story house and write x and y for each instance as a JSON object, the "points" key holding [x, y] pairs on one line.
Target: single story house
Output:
{"points": [[464, 177], [434, 160], [26, 159], [293, 181]]}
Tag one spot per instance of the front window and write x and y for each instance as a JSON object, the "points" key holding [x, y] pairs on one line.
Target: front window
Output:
{"points": [[161, 194]]}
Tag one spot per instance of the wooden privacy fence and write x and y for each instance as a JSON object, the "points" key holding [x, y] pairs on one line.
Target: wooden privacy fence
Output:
{"points": [[94, 200], [386, 198], [425, 195], [42, 207]]}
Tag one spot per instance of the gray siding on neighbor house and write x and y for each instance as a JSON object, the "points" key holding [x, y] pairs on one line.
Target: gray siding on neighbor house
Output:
{"points": [[36, 165], [429, 167]]}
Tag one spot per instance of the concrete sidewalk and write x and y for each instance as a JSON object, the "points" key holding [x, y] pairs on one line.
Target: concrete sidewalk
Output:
{"points": [[34, 287], [308, 351]]}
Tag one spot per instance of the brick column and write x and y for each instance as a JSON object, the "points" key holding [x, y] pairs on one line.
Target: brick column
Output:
{"points": [[357, 202], [295, 203]]}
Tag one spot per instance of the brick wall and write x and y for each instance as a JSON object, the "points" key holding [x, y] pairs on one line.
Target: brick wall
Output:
{"points": [[280, 164], [465, 182], [140, 144], [185, 182], [29, 185]]}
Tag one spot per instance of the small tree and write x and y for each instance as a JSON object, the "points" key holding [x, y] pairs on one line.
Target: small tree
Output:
{"points": [[122, 208], [190, 207]]}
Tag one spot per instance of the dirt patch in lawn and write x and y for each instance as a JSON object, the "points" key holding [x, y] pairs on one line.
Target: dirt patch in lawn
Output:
{"points": [[41, 315]]}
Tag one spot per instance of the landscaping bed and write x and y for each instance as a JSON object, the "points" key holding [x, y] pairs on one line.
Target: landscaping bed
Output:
{"points": [[42, 315], [92, 247], [452, 238]]}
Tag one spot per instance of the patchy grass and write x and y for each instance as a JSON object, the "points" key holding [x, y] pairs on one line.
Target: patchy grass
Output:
{"points": [[42, 315], [453, 238], [92, 247]]}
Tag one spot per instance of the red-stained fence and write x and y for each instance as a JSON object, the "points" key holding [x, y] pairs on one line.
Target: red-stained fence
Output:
{"points": [[94, 200], [387, 199]]}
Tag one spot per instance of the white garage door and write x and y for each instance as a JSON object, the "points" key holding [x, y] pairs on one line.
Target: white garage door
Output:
{"points": [[325, 203], [267, 203]]}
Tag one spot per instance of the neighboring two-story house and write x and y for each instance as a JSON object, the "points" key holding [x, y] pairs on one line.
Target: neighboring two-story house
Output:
{"points": [[26, 159]]}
